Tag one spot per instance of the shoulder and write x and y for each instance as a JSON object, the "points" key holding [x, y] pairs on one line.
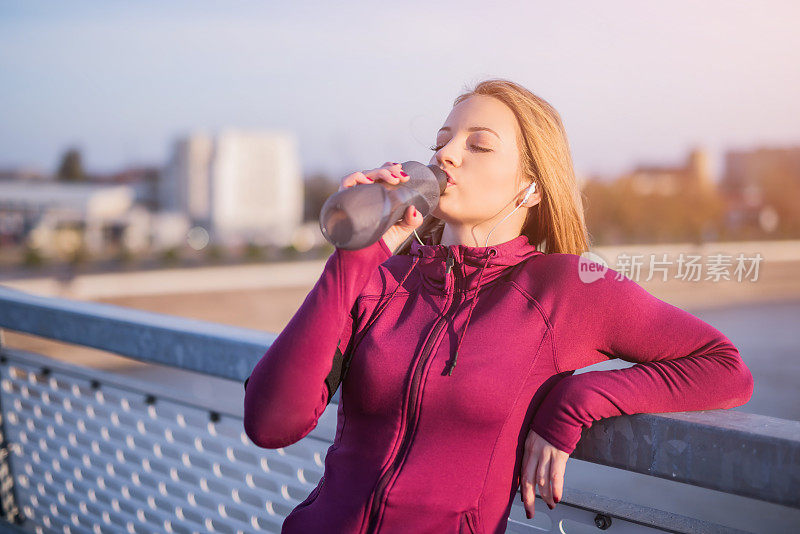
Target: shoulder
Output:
{"points": [[548, 267], [561, 272]]}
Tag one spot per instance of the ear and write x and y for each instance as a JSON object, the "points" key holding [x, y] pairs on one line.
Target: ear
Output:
{"points": [[534, 198]]}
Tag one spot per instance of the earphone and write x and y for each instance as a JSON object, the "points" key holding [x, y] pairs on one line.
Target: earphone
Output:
{"points": [[528, 193]]}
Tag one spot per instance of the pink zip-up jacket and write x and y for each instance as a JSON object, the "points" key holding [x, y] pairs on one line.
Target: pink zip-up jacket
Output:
{"points": [[456, 352]]}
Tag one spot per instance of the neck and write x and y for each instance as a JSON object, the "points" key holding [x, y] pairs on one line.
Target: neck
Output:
{"points": [[475, 236], [499, 229]]}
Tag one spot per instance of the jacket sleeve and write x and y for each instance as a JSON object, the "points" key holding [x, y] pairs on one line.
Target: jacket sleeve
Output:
{"points": [[681, 362], [286, 392]]}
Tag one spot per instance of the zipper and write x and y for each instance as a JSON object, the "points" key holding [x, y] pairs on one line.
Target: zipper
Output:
{"points": [[450, 261], [381, 490]]}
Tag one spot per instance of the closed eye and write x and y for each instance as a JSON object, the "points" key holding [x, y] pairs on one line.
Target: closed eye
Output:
{"points": [[437, 148]]}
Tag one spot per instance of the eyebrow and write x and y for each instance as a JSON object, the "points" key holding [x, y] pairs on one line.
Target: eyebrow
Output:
{"points": [[471, 129]]}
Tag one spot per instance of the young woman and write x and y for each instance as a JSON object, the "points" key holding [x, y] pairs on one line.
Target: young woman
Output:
{"points": [[460, 336]]}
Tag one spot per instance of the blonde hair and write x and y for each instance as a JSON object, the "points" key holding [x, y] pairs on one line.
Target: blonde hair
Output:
{"points": [[557, 223]]}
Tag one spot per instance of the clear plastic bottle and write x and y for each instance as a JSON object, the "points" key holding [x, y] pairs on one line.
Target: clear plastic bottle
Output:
{"points": [[358, 216]]}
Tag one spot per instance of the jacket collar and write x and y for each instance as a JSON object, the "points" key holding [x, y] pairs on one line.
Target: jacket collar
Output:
{"points": [[471, 268], [469, 263]]}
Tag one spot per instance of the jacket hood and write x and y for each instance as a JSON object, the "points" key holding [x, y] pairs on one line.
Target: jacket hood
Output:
{"points": [[463, 269], [472, 266]]}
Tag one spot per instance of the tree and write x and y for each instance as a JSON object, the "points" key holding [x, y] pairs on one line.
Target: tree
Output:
{"points": [[71, 167]]}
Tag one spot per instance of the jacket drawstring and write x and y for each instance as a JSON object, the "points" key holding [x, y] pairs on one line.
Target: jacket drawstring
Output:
{"points": [[452, 365]]}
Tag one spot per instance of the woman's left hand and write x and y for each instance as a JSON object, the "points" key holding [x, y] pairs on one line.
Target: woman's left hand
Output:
{"points": [[543, 465]]}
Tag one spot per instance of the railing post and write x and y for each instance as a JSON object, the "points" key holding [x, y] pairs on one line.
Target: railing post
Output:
{"points": [[8, 494]]}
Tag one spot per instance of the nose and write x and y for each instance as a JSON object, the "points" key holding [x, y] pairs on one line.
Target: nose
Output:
{"points": [[447, 157]]}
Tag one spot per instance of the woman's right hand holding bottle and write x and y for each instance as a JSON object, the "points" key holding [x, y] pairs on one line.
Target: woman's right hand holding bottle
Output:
{"points": [[392, 173]]}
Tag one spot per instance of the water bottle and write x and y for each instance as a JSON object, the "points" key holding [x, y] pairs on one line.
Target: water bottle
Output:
{"points": [[358, 216]]}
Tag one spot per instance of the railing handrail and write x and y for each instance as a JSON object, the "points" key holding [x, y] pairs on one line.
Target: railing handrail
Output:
{"points": [[205, 347], [725, 450]]}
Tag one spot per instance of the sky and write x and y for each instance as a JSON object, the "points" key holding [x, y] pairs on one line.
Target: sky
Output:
{"points": [[360, 83]]}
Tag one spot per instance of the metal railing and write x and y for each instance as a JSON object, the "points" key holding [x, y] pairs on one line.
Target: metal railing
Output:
{"points": [[87, 450]]}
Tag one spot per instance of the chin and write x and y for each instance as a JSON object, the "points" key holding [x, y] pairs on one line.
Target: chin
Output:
{"points": [[438, 213], [444, 214]]}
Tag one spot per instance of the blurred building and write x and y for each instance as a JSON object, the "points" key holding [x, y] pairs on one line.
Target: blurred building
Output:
{"points": [[29, 175], [58, 218], [762, 187], [144, 181], [239, 185], [670, 181], [186, 185], [745, 170]]}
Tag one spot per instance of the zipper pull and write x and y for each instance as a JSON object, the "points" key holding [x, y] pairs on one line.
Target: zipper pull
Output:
{"points": [[448, 271]]}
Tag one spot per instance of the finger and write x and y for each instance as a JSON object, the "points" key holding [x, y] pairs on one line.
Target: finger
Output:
{"points": [[353, 179], [396, 173], [387, 176], [527, 478], [543, 479], [364, 178], [392, 166], [522, 472], [557, 469], [528, 497], [413, 216], [397, 169], [410, 218]]}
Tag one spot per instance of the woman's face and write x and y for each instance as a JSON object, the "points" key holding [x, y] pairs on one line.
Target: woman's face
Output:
{"points": [[477, 146]]}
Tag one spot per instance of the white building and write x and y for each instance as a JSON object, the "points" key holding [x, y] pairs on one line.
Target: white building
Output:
{"points": [[185, 184], [240, 185]]}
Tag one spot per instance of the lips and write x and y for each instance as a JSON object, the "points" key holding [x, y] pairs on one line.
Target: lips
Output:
{"points": [[450, 180]]}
